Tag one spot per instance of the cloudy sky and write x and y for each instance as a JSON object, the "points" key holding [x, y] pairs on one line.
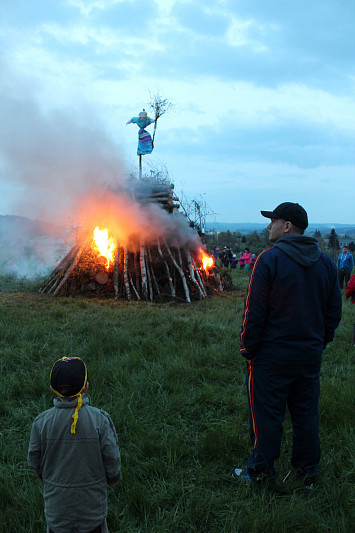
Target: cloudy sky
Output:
{"points": [[262, 92]]}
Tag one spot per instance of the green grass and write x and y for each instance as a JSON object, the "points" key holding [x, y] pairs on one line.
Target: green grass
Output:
{"points": [[173, 381]]}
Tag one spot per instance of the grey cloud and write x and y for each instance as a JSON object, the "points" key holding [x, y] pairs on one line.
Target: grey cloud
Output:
{"points": [[25, 14], [270, 68], [292, 142], [199, 20], [304, 42], [132, 18], [321, 29]]}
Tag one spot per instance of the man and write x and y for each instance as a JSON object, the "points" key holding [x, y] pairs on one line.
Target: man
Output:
{"points": [[292, 308], [345, 265]]}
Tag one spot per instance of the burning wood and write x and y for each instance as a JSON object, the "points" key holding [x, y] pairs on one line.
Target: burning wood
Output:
{"points": [[154, 272], [138, 264], [106, 246]]}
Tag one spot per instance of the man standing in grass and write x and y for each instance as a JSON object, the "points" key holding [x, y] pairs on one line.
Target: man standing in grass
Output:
{"points": [[74, 450], [292, 308]]}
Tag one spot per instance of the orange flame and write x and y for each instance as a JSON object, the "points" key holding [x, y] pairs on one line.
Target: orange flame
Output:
{"points": [[106, 246], [207, 260]]}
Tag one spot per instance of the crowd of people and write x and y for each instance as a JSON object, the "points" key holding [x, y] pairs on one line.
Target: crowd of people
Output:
{"points": [[228, 259]]}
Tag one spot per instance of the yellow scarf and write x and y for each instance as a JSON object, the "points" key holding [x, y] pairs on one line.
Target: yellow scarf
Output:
{"points": [[75, 415]]}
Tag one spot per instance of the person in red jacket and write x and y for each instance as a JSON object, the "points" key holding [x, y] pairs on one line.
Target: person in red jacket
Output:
{"points": [[246, 258], [350, 292]]}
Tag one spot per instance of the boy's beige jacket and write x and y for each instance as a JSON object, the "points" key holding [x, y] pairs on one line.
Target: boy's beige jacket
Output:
{"points": [[74, 468]]}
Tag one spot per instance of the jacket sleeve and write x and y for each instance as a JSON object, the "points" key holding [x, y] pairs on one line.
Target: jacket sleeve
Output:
{"points": [[333, 311], [350, 288], [110, 451], [34, 450], [255, 308]]}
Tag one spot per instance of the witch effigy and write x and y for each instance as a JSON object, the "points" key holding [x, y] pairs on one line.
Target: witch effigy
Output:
{"points": [[145, 142]]}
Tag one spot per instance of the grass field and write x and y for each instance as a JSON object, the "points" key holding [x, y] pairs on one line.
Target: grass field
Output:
{"points": [[173, 381]]}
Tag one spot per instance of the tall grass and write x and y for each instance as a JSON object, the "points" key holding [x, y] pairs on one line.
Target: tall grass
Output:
{"points": [[173, 381]]}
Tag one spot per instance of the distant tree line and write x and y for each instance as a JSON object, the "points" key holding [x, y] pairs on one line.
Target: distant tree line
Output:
{"points": [[257, 242]]}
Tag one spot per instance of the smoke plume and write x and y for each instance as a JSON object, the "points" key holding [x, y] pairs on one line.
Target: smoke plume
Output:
{"points": [[62, 166], [125, 217], [54, 157]]}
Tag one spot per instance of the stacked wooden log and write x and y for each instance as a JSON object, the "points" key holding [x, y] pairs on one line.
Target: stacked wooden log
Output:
{"points": [[151, 191], [153, 272]]}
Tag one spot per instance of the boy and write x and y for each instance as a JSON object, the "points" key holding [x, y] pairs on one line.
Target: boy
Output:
{"points": [[74, 450]]}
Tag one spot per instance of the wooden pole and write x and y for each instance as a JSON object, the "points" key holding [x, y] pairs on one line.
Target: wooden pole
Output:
{"points": [[171, 285], [198, 275], [115, 271], [135, 274], [200, 288], [140, 166], [179, 269], [71, 268], [134, 288], [60, 269], [143, 271], [155, 129], [125, 273], [152, 271], [149, 278]]}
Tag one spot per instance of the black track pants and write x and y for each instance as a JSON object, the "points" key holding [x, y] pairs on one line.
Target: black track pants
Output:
{"points": [[271, 386]]}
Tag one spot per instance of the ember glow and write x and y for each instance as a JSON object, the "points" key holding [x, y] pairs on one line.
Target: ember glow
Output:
{"points": [[207, 260], [106, 246]]}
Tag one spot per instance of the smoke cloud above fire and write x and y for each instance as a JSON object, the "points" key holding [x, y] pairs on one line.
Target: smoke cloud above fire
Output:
{"points": [[51, 158], [124, 217], [61, 167]]}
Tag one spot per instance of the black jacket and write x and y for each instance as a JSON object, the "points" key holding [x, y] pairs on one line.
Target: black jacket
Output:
{"points": [[293, 302]]}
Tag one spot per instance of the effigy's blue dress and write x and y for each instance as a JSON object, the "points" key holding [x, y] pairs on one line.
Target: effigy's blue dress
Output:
{"points": [[145, 142]]}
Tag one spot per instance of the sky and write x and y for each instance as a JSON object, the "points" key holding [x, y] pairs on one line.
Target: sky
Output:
{"points": [[262, 93]]}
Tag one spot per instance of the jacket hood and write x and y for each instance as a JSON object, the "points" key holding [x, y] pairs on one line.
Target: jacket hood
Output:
{"points": [[303, 250]]}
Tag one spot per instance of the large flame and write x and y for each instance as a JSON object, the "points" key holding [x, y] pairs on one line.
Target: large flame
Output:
{"points": [[206, 260], [106, 246]]}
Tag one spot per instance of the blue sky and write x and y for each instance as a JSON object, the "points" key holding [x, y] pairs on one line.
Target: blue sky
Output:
{"points": [[263, 94]]}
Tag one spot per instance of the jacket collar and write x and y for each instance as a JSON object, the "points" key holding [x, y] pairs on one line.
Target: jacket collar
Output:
{"points": [[69, 403]]}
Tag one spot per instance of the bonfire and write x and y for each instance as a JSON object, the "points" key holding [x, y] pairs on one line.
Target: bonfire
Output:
{"points": [[159, 259]]}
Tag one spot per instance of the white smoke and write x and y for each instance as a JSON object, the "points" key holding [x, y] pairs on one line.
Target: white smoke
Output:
{"points": [[54, 157], [62, 164]]}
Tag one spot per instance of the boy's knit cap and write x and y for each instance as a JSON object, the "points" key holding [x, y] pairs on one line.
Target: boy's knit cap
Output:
{"points": [[68, 376]]}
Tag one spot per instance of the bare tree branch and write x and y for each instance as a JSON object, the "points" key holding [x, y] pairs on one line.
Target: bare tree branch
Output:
{"points": [[160, 106]]}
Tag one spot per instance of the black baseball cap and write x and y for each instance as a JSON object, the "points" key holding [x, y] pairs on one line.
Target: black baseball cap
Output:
{"points": [[68, 376], [290, 212]]}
